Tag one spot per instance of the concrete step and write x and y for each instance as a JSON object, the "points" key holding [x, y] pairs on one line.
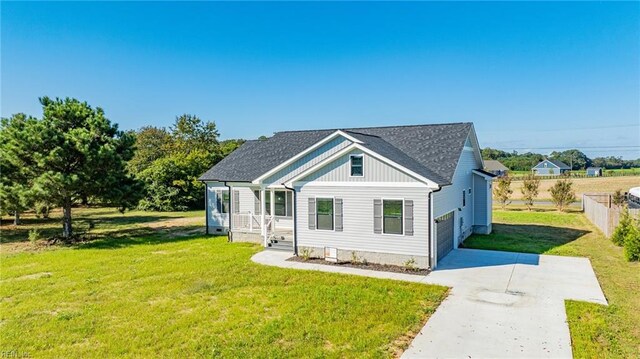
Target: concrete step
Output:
{"points": [[280, 245]]}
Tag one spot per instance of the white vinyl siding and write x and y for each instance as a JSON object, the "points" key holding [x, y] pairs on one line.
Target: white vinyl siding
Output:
{"points": [[374, 171], [308, 160], [357, 230], [450, 197], [216, 218]]}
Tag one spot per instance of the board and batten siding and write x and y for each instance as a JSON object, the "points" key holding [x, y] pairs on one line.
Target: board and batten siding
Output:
{"points": [[374, 171], [308, 160], [481, 202], [449, 198], [357, 228]]}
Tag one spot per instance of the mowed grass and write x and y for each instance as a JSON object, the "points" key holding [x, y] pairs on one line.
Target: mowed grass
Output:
{"points": [[583, 185], [596, 331], [155, 295], [106, 222]]}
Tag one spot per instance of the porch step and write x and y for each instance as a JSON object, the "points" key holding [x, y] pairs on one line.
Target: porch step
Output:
{"points": [[280, 245]]}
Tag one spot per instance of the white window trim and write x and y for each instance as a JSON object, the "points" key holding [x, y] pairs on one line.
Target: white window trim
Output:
{"points": [[333, 216], [361, 155], [285, 203], [401, 220]]}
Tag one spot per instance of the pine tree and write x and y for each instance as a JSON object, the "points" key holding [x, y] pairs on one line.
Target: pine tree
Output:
{"points": [[16, 167], [78, 153]]}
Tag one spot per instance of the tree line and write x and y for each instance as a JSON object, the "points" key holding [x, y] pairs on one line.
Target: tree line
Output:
{"points": [[576, 159], [75, 155]]}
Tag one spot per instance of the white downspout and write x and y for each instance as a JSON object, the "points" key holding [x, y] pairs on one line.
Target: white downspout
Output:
{"points": [[273, 211], [263, 209]]}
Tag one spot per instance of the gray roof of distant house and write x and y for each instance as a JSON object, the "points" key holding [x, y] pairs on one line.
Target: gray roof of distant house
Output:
{"points": [[429, 150], [594, 168], [557, 163], [493, 165]]}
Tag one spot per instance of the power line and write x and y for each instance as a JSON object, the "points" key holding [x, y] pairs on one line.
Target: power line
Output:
{"points": [[570, 147], [567, 129]]}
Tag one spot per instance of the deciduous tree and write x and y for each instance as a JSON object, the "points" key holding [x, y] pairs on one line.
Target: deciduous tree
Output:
{"points": [[529, 189], [152, 143], [562, 194], [503, 191]]}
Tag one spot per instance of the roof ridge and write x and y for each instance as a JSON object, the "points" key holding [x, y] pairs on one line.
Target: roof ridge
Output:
{"points": [[363, 134], [377, 127]]}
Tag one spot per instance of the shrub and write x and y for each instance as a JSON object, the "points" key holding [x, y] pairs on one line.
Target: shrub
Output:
{"points": [[410, 264], [624, 226], [34, 236], [306, 254], [562, 194], [632, 242], [618, 198], [42, 209]]}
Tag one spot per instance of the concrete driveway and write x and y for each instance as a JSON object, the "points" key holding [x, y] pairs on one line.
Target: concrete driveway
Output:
{"points": [[504, 305], [501, 305]]}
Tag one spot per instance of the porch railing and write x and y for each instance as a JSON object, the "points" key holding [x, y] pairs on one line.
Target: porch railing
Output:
{"points": [[248, 222]]}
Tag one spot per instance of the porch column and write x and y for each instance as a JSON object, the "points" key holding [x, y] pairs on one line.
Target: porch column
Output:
{"points": [[263, 209], [273, 211]]}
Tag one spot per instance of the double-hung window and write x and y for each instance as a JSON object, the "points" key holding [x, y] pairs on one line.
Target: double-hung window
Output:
{"points": [[222, 201], [392, 216], [283, 204], [356, 166], [324, 213]]}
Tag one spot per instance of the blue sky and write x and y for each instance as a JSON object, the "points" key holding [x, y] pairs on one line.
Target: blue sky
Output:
{"points": [[529, 75]]}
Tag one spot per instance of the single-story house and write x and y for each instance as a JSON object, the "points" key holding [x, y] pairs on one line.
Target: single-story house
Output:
{"points": [[594, 171], [549, 167], [389, 195], [496, 168]]}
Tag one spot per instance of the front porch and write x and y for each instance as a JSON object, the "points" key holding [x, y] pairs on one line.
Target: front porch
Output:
{"points": [[275, 232], [250, 213]]}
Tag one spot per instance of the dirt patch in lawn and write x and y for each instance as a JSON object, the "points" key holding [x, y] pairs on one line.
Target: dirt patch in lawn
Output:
{"points": [[369, 266]]}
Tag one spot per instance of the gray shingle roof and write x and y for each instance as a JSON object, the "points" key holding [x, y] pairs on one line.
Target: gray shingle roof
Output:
{"points": [[493, 165], [557, 163], [429, 150]]}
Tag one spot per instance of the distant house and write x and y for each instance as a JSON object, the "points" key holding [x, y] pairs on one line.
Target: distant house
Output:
{"points": [[550, 168], [495, 167], [594, 171]]}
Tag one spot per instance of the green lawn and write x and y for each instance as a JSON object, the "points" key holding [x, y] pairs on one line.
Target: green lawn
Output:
{"points": [[596, 331], [107, 222], [154, 295]]}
